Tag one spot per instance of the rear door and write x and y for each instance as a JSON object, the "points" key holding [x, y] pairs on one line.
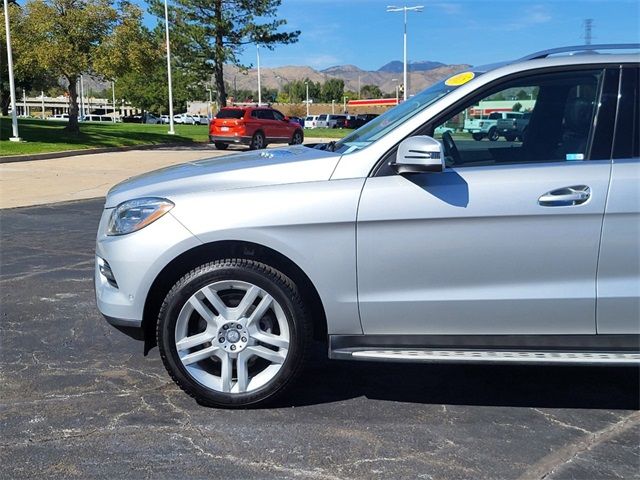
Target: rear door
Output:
{"points": [[619, 262], [506, 240]]}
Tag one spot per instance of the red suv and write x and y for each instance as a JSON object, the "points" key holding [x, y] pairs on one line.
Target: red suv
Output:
{"points": [[253, 126]]}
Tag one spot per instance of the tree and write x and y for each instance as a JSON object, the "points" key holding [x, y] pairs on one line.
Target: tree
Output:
{"points": [[207, 34], [370, 91], [28, 76], [332, 89], [68, 38]]}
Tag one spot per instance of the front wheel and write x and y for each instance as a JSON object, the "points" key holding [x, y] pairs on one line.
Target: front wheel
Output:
{"points": [[297, 138], [493, 134], [233, 333]]}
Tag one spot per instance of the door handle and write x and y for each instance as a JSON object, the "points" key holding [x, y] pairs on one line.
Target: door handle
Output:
{"points": [[567, 196]]}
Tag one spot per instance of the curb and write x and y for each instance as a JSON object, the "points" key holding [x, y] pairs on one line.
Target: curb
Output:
{"points": [[89, 151]]}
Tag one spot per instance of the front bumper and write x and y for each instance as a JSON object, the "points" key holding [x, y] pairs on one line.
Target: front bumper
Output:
{"points": [[135, 260]]}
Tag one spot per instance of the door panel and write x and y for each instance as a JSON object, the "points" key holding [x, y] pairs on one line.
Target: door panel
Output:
{"points": [[619, 264], [472, 251]]}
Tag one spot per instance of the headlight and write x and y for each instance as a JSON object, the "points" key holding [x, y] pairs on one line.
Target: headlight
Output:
{"points": [[135, 214]]}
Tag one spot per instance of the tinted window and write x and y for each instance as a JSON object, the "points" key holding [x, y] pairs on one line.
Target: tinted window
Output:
{"points": [[230, 113], [627, 141], [322, 117], [277, 115], [495, 116], [265, 114]]}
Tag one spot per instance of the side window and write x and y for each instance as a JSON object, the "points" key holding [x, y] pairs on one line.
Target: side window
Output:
{"points": [[254, 113], [541, 118], [265, 114], [277, 115], [627, 141]]}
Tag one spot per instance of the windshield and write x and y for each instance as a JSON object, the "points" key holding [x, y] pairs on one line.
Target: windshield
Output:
{"points": [[383, 124]]}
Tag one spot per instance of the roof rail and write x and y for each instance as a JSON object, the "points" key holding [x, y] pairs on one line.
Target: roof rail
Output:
{"points": [[581, 48]]}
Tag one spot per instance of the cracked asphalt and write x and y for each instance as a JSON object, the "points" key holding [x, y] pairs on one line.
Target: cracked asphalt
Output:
{"points": [[78, 399]]}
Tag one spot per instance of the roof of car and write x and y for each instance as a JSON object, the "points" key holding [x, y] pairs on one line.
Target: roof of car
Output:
{"points": [[585, 54]]}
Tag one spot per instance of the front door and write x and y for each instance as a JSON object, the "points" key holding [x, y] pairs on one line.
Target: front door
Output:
{"points": [[506, 240]]}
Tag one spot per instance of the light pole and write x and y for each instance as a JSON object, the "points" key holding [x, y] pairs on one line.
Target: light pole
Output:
{"points": [[259, 86], [42, 99], [405, 9], [397, 89], [24, 102], [306, 84], [113, 97], [166, 29], [209, 104], [81, 98], [12, 86], [344, 104]]}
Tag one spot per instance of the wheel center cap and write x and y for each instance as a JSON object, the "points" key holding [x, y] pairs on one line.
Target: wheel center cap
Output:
{"points": [[233, 336]]}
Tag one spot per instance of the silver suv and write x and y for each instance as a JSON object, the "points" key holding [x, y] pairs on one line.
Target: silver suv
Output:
{"points": [[391, 245]]}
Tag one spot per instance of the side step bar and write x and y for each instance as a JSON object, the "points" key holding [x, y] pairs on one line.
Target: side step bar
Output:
{"points": [[487, 356]]}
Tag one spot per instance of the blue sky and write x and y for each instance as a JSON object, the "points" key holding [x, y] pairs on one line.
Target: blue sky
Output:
{"points": [[360, 32]]}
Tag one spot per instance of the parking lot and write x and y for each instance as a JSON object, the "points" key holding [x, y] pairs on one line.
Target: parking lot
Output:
{"points": [[80, 400]]}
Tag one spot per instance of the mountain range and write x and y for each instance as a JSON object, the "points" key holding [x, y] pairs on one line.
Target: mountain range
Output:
{"points": [[420, 75]]}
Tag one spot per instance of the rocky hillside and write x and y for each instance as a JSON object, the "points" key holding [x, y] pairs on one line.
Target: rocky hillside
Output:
{"points": [[385, 78]]}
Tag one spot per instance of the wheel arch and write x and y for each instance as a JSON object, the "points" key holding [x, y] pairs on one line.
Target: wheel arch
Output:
{"points": [[196, 256]]}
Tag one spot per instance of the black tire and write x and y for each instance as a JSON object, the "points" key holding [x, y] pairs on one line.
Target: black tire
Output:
{"points": [[509, 138], [477, 136], [297, 138], [257, 141], [493, 134], [221, 145], [276, 284]]}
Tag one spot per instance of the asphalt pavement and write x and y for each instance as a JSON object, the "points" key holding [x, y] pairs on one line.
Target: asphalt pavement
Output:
{"points": [[79, 400]]}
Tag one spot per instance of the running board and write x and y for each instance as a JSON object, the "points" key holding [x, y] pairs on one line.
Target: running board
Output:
{"points": [[487, 356]]}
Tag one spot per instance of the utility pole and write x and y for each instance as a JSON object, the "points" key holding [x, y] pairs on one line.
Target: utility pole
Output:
{"points": [[24, 102], [588, 27], [405, 9], [306, 84], [42, 98], [12, 85]]}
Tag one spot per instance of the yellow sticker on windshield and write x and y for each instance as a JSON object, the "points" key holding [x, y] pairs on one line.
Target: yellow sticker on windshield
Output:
{"points": [[459, 79]]}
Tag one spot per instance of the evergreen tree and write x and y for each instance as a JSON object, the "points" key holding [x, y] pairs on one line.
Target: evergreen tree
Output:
{"points": [[207, 34]]}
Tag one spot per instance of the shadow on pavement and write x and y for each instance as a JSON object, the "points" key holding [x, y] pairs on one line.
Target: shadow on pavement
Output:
{"points": [[325, 381]]}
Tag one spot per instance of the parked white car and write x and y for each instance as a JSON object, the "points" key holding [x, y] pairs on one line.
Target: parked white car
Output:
{"points": [[310, 121], [184, 119], [201, 119]]}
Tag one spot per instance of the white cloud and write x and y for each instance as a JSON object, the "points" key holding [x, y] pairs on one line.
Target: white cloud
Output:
{"points": [[322, 61], [531, 16]]}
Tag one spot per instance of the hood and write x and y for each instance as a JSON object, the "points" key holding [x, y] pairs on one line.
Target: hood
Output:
{"points": [[251, 169]]}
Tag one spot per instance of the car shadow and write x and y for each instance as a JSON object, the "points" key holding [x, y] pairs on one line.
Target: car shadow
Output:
{"points": [[327, 381]]}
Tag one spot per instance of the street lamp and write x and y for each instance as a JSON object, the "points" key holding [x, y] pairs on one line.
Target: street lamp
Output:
{"points": [[209, 114], [405, 9], [397, 89], [12, 86], [259, 85], [306, 84], [113, 97], [166, 28]]}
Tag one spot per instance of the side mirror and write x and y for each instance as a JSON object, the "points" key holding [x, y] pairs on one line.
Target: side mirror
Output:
{"points": [[419, 154]]}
